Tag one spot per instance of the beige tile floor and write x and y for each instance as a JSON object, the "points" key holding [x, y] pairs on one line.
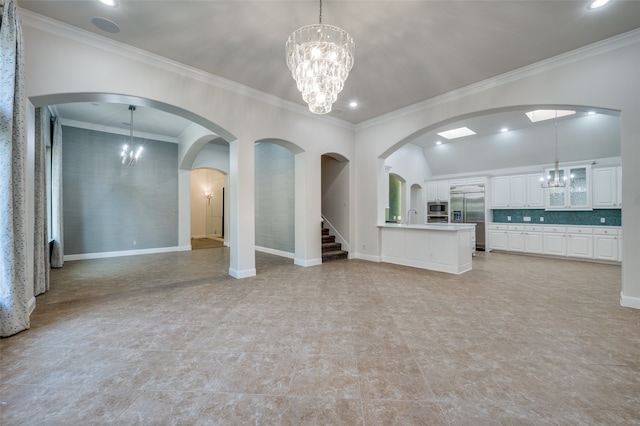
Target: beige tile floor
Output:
{"points": [[172, 339]]}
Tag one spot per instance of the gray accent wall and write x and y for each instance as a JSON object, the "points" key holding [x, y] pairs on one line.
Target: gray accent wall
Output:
{"points": [[109, 206], [274, 202]]}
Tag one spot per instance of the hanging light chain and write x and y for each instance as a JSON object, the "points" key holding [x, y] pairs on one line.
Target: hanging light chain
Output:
{"points": [[320, 12]]}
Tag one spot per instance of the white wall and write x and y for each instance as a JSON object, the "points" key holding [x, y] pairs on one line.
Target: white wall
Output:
{"points": [[603, 75], [409, 163]]}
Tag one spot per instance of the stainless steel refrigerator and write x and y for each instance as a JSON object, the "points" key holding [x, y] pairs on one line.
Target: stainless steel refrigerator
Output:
{"points": [[467, 206]]}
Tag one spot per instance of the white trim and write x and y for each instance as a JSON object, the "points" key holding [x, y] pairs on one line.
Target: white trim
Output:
{"points": [[367, 257], [61, 29], [246, 273], [629, 301], [572, 56], [306, 263], [31, 305], [85, 256], [276, 252]]}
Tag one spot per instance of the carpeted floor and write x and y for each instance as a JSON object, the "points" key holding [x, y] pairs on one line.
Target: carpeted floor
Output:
{"points": [[202, 243], [172, 339]]}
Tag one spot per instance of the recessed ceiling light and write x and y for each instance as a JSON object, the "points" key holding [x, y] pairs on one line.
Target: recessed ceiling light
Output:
{"points": [[597, 4], [547, 114], [591, 113], [111, 3], [457, 133], [504, 129], [438, 142], [106, 25], [353, 104]]}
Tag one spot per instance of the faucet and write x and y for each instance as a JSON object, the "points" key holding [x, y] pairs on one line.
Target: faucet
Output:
{"points": [[409, 217]]}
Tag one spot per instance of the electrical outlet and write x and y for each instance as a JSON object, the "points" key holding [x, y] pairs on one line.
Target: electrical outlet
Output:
{"points": [[527, 218], [602, 220], [509, 218], [135, 242], [541, 219]]}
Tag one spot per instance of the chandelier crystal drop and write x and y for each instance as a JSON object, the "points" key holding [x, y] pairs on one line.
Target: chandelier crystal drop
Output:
{"points": [[130, 155], [320, 58]]}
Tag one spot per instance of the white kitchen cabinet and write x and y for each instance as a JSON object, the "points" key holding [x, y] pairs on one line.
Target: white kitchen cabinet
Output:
{"points": [[498, 237], [619, 185], [606, 244], [535, 193], [554, 240], [604, 187], [500, 188], [518, 191], [575, 195], [438, 190], [516, 238], [533, 239], [580, 242], [457, 182]]}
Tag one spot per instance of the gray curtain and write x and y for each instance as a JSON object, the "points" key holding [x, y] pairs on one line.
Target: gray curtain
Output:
{"points": [[57, 232], [41, 237], [14, 315]]}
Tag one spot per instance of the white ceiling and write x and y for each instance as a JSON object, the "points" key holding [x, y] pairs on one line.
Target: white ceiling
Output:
{"points": [[406, 51]]}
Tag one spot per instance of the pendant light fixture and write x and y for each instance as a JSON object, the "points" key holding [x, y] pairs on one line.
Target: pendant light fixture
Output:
{"points": [[129, 154], [320, 58], [556, 181]]}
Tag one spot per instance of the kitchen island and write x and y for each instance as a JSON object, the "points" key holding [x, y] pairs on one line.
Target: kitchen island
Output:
{"points": [[442, 247]]}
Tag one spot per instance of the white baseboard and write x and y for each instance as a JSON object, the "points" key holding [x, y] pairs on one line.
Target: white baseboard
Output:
{"points": [[367, 257], [629, 301], [307, 263], [275, 252], [31, 305], [85, 256], [242, 274]]}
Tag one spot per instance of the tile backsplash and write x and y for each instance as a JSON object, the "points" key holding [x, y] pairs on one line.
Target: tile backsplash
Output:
{"points": [[612, 217]]}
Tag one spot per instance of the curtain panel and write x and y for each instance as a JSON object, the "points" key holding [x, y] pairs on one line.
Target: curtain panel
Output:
{"points": [[57, 232], [14, 315], [41, 237]]}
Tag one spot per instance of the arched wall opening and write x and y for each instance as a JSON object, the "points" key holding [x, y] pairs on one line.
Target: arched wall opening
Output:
{"points": [[164, 175], [207, 203]]}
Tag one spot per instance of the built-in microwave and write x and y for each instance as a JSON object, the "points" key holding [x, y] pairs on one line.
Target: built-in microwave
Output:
{"points": [[440, 208]]}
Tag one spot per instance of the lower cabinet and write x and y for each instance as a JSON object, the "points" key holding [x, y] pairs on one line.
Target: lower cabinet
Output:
{"points": [[580, 242], [586, 242], [555, 240], [606, 244]]}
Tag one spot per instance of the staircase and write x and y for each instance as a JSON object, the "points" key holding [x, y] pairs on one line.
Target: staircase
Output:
{"points": [[330, 249]]}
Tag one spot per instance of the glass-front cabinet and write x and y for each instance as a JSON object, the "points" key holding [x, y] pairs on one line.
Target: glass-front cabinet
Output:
{"points": [[573, 196]]}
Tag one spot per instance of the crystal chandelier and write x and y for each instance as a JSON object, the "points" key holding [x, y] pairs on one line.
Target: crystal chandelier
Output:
{"points": [[130, 156], [320, 58], [555, 181]]}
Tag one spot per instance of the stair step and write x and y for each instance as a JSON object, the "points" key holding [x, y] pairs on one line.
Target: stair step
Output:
{"points": [[328, 247], [325, 231], [328, 239], [334, 255]]}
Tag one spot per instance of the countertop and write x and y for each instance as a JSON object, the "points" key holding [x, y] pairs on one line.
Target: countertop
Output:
{"points": [[431, 226]]}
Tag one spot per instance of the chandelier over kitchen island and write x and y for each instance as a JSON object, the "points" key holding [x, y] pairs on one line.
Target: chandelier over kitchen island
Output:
{"points": [[320, 58]]}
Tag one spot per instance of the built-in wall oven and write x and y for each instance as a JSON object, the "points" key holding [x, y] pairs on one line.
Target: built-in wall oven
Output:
{"points": [[437, 212]]}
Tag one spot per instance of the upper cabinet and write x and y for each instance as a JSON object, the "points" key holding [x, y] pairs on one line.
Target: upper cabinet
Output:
{"points": [[606, 185], [438, 190], [576, 195], [517, 191]]}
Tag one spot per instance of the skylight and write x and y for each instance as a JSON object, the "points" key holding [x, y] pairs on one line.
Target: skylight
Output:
{"points": [[547, 114], [457, 133]]}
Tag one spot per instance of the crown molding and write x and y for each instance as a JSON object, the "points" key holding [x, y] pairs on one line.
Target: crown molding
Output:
{"points": [[93, 40], [115, 130], [594, 49]]}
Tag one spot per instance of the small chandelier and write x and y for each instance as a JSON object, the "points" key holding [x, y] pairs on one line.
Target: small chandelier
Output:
{"points": [[555, 181], [130, 156], [320, 58]]}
